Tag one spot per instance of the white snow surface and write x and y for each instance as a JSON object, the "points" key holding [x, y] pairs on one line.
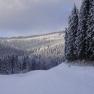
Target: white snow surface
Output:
{"points": [[64, 79]]}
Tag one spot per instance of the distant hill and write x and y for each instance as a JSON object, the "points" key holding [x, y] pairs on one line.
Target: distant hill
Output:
{"points": [[23, 54], [31, 42]]}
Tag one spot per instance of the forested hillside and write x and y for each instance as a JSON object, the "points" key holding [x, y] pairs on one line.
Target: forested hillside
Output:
{"points": [[23, 54]]}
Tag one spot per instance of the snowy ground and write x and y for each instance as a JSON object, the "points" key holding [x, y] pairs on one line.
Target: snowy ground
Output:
{"points": [[63, 79]]}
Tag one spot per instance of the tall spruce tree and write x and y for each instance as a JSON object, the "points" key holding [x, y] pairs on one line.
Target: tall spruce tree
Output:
{"points": [[90, 32], [70, 37], [81, 40], [66, 43]]}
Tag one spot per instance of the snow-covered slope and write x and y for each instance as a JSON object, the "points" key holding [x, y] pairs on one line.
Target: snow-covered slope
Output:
{"points": [[31, 42], [63, 79], [41, 44]]}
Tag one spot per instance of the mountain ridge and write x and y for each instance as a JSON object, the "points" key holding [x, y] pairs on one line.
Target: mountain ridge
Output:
{"points": [[32, 35]]}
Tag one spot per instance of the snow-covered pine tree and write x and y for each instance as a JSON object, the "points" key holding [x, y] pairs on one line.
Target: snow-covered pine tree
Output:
{"points": [[82, 29], [71, 35], [66, 43], [90, 32]]}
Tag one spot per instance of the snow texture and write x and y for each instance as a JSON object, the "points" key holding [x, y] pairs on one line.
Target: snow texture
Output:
{"points": [[64, 79]]}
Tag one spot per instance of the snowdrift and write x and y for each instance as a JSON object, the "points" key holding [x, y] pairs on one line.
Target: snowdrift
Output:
{"points": [[64, 79]]}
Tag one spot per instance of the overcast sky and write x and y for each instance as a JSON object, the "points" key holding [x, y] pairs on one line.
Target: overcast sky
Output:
{"points": [[27, 17]]}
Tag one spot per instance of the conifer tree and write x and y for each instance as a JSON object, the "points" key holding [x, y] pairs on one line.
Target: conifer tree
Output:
{"points": [[71, 35], [81, 40], [90, 32], [66, 42]]}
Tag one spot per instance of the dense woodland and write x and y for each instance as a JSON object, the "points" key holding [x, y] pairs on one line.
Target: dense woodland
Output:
{"points": [[79, 37], [15, 63]]}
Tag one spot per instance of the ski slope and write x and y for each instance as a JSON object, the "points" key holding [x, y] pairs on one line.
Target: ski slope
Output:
{"points": [[63, 79]]}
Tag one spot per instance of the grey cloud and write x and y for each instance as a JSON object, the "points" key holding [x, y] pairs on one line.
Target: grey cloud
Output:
{"points": [[34, 15]]}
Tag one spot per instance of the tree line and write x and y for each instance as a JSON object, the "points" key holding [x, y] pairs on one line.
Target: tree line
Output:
{"points": [[79, 35], [13, 64]]}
